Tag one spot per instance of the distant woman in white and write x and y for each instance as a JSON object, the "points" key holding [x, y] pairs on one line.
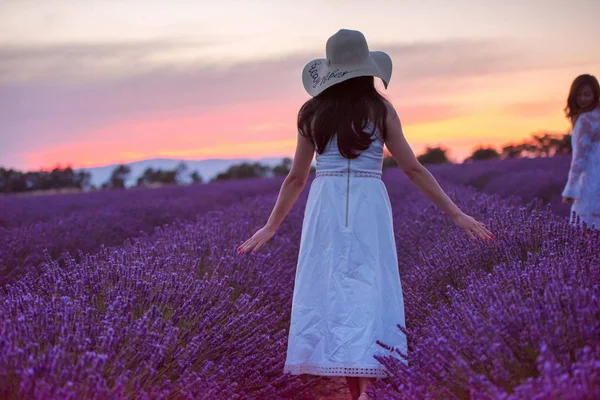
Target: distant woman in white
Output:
{"points": [[583, 187]]}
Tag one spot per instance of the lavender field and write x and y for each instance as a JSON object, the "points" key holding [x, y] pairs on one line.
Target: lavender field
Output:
{"points": [[541, 178], [153, 302], [84, 222]]}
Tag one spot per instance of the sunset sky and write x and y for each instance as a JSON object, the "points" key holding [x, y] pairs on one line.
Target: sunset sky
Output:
{"points": [[93, 82]]}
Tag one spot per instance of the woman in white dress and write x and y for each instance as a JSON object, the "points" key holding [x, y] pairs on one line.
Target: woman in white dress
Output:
{"points": [[347, 289], [582, 190]]}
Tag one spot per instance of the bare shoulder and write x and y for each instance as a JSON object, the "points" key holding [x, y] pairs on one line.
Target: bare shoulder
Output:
{"points": [[392, 114], [397, 143], [393, 124]]}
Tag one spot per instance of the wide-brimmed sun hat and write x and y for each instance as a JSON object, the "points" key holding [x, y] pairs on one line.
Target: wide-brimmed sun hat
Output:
{"points": [[347, 56]]}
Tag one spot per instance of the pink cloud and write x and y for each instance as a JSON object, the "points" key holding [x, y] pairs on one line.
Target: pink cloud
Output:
{"points": [[190, 134]]}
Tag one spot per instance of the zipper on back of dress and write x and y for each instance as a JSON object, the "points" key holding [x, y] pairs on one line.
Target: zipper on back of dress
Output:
{"points": [[347, 192]]}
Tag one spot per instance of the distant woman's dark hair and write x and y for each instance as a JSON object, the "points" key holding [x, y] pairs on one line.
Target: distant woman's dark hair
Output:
{"points": [[344, 110], [572, 109]]}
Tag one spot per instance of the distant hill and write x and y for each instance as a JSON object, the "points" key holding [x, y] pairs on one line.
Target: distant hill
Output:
{"points": [[207, 169]]}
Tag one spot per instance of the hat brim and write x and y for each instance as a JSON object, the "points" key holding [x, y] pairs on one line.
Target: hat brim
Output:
{"points": [[317, 75]]}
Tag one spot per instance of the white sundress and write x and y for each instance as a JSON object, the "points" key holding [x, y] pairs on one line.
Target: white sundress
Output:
{"points": [[347, 290], [583, 183]]}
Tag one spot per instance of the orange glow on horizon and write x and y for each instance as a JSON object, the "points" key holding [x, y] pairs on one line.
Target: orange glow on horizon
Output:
{"points": [[460, 135]]}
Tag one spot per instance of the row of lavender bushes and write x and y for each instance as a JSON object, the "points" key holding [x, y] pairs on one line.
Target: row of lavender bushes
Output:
{"points": [[540, 178], [84, 222], [173, 315], [180, 315], [517, 318]]}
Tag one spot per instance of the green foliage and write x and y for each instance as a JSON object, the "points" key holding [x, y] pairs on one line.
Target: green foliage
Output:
{"points": [[118, 177], [243, 171], [13, 181], [433, 155], [169, 177], [196, 178], [539, 145], [283, 168], [483, 153]]}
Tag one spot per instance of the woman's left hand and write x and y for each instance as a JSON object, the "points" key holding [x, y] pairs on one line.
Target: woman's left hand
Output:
{"points": [[261, 236]]}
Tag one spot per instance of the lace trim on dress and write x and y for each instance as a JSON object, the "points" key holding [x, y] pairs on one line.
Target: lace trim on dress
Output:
{"points": [[378, 372], [358, 174], [362, 174]]}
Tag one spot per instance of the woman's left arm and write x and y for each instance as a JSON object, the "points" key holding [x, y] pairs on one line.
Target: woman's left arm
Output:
{"points": [[291, 188]]}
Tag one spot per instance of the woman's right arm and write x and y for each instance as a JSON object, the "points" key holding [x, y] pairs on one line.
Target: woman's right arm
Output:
{"points": [[424, 180]]}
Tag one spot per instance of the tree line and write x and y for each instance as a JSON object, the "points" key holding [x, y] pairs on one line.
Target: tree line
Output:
{"points": [[13, 181], [62, 179], [539, 145]]}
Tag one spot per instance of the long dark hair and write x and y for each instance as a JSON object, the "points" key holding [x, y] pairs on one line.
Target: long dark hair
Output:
{"points": [[344, 109], [572, 110]]}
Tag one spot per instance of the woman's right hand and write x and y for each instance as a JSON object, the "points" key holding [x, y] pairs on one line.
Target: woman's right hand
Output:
{"points": [[473, 228], [568, 200]]}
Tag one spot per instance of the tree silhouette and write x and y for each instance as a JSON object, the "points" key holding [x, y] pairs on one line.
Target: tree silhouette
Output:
{"points": [[118, 177], [512, 151], [146, 178], [483, 153], [539, 145], [283, 168], [243, 171], [564, 145], [548, 144], [13, 181], [433, 155], [195, 177], [180, 170], [160, 177]]}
